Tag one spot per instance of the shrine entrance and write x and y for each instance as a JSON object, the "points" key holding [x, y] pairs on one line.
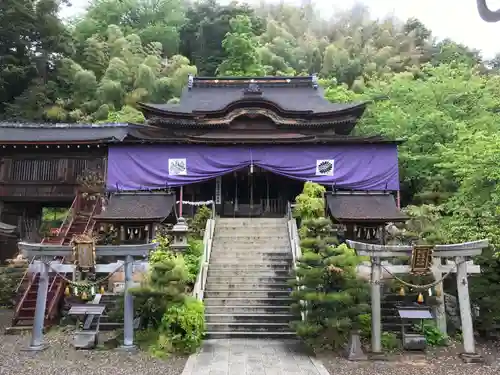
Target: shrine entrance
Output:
{"points": [[424, 260], [255, 192]]}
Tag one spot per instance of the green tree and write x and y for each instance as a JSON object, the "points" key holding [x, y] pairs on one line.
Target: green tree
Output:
{"points": [[153, 21], [328, 292], [32, 38], [241, 47], [206, 26]]}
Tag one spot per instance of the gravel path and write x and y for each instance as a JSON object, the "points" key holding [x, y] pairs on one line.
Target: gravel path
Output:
{"points": [[442, 362], [61, 359]]}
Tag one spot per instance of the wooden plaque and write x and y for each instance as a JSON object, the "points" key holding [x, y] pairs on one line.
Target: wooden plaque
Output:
{"points": [[84, 255], [421, 258]]}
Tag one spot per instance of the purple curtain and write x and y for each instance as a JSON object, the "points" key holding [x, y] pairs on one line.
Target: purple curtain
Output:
{"points": [[355, 167]]}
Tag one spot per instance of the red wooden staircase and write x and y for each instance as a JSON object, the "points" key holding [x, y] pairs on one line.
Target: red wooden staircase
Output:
{"points": [[79, 220]]}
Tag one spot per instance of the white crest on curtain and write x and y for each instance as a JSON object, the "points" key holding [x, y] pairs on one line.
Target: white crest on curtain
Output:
{"points": [[177, 167], [325, 167]]}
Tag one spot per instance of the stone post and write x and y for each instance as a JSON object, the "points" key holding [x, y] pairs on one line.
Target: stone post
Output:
{"points": [[376, 306], [440, 309], [128, 315], [37, 343], [469, 354]]}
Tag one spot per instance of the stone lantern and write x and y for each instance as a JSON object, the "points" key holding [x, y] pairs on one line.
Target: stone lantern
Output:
{"points": [[180, 234]]}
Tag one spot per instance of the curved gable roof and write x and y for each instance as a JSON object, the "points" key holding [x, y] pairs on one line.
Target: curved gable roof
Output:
{"points": [[289, 94]]}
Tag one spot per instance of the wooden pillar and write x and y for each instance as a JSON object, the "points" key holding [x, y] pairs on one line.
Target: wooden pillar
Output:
{"points": [[376, 305], [465, 309], [268, 207], [439, 310], [181, 191], [122, 234]]}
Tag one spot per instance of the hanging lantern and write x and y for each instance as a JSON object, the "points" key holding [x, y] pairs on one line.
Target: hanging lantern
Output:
{"points": [[101, 290], [67, 292], [420, 298], [438, 292], [75, 291], [84, 295], [402, 291]]}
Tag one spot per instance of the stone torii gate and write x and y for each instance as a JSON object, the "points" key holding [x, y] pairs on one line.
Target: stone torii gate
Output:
{"points": [[46, 253], [421, 257]]}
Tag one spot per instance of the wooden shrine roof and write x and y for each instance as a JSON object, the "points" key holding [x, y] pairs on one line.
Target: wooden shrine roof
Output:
{"points": [[358, 207], [101, 134], [137, 206], [61, 133], [297, 96]]}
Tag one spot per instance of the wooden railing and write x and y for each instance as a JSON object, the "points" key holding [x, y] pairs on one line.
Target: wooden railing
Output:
{"points": [[67, 221], [62, 233], [95, 211]]}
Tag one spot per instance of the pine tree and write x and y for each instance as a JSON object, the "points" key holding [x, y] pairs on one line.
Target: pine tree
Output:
{"points": [[329, 293], [165, 285]]}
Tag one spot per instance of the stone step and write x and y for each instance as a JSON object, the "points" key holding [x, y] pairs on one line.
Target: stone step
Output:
{"points": [[243, 266], [247, 235], [283, 309], [253, 278], [250, 286], [267, 232], [242, 256], [228, 248], [277, 301], [248, 327], [246, 294], [250, 335], [249, 318], [253, 243], [251, 220], [263, 272]]}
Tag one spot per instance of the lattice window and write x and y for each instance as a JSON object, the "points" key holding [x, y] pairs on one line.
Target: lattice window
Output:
{"points": [[34, 170]]}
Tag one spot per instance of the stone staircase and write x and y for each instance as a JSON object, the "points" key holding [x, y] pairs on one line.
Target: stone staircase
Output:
{"points": [[247, 294]]}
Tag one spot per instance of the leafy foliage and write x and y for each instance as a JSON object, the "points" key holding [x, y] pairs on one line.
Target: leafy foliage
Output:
{"points": [[173, 321], [433, 335], [241, 48], [199, 222], [328, 292], [165, 285], [184, 325], [310, 203]]}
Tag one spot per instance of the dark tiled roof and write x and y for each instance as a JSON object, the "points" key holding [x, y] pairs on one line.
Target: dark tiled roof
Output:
{"points": [[300, 94], [33, 132], [374, 207], [7, 229], [152, 206]]}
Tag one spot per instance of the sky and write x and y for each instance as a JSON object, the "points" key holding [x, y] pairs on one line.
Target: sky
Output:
{"points": [[455, 19]]}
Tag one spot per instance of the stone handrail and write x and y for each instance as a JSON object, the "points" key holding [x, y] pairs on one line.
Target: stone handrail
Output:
{"points": [[201, 279], [293, 236]]}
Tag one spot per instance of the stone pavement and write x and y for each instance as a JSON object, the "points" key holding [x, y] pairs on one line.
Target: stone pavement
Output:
{"points": [[253, 357]]}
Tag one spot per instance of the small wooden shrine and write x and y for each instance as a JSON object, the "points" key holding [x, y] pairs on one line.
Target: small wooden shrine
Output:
{"points": [[133, 217]]}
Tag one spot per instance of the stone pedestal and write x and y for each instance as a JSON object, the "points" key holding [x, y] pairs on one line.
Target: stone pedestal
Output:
{"points": [[354, 348]]}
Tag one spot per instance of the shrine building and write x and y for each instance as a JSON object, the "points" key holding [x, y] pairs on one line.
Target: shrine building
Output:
{"points": [[248, 144]]}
